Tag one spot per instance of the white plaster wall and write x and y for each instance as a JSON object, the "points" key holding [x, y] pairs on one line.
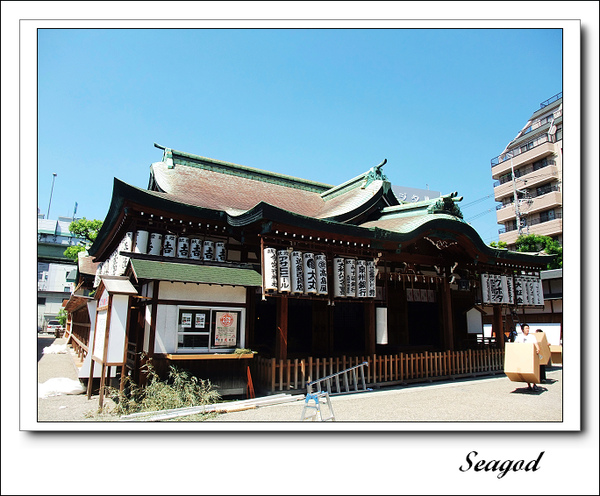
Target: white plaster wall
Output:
{"points": [[118, 324], [166, 329], [201, 292]]}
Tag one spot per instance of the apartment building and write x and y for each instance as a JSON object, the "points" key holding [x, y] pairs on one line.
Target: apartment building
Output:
{"points": [[55, 273], [528, 177]]}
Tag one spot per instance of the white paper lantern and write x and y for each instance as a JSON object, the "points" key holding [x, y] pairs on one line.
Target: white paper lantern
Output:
{"points": [[141, 242], [297, 272], [339, 278], [127, 241], [195, 249], [155, 244], [321, 261], [183, 247], [169, 245], [361, 278], [350, 277], [283, 267], [270, 269], [220, 251], [310, 273], [208, 250]]}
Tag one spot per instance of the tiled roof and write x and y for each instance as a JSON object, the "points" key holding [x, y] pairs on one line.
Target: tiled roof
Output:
{"points": [[208, 274], [87, 264], [235, 189]]}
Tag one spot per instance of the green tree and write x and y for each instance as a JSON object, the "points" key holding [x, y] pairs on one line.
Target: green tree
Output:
{"points": [[535, 243], [85, 229], [499, 244], [62, 317]]}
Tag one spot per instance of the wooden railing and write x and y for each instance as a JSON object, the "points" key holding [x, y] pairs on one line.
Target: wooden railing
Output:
{"points": [[273, 375]]}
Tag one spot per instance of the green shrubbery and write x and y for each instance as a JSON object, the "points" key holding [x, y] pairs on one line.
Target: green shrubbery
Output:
{"points": [[180, 390]]}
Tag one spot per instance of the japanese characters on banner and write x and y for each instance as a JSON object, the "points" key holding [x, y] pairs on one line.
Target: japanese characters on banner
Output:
{"points": [[494, 289], [283, 267], [339, 278], [310, 273], [321, 261], [528, 290], [512, 290], [296, 272], [350, 277], [371, 279], [270, 270]]}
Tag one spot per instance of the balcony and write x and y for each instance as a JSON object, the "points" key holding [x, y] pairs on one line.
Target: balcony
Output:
{"points": [[544, 202], [501, 167], [506, 213]]}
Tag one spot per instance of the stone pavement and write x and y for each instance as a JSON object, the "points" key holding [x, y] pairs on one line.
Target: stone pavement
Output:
{"points": [[485, 399]]}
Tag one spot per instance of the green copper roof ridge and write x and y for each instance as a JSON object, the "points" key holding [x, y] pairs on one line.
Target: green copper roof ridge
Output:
{"points": [[250, 172]]}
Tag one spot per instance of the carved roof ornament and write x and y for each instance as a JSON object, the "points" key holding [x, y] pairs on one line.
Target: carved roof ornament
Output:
{"points": [[374, 174], [446, 204]]}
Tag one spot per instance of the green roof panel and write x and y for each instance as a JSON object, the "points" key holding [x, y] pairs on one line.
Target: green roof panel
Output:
{"points": [[207, 274]]}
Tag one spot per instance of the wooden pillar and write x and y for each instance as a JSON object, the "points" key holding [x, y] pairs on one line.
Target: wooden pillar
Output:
{"points": [[497, 327], [281, 340], [370, 331], [448, 317]]}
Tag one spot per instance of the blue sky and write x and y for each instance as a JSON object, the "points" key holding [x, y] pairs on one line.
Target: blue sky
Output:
{"points": [[321, 104]]}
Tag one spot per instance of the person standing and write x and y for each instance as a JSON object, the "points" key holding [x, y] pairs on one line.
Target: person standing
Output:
{"points": [[525, 337], [542, 367]]}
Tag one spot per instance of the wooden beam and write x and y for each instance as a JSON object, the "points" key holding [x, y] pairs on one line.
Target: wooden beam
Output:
{"points": [[281, 340], [448, 316], [370, 332]]}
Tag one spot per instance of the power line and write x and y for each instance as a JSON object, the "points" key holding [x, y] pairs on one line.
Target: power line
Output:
{"points": [[480, 214], [474, 202]]}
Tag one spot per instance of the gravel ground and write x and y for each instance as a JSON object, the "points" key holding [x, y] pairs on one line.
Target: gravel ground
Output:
{"points": [[487, 399]]}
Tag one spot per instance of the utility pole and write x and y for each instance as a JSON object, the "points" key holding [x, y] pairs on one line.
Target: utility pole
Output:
{"points": [[51, 191]]}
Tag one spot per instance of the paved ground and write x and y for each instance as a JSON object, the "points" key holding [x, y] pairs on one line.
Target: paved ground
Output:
{"points": [[492, 399], [486, 399]]}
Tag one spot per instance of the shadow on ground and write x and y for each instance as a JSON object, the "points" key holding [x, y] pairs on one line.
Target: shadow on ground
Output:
{"points": [[42, 342]]}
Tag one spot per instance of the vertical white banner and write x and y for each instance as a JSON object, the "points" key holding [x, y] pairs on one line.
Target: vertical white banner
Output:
{"points": [[208, 250], [381, 325], [361, 278], [195, 248], [141, 242], [220, 251], [310, 273], [155, 244], [371, 279], [183, 247], [321, 262], [283, 267], [270, 269], [169, 244], [350, 277], [296, 272], [339, 278]]}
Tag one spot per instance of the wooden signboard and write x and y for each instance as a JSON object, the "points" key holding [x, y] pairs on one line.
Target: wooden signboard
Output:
{"points": [[521, 363]]}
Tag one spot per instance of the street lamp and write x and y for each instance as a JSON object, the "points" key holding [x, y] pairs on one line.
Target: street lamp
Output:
{"points": [[51, 190]]}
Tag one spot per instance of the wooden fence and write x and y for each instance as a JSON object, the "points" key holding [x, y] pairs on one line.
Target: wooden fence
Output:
{"points": [[273, 375]]}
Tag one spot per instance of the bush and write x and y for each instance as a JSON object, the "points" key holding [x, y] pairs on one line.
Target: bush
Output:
{"points": [[178, 391]]}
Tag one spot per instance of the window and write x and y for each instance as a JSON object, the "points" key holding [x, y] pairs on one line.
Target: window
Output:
{"points": [[41, 301], [209, 329], [546, 216]]}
